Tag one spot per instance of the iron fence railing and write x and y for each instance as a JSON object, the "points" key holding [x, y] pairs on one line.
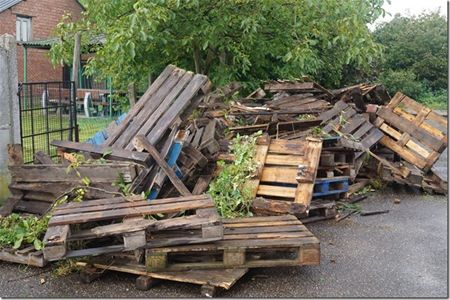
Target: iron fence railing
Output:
{"points": [[47, 112]]}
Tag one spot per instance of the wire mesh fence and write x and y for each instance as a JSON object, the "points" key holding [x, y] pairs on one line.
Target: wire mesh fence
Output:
{"points": [[47, 112]]}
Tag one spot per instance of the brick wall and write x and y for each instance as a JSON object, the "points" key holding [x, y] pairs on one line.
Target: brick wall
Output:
{"points": [[45, 14]]}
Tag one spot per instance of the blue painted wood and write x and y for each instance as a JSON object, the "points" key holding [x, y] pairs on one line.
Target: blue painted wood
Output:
{"points": [[330, 186], [100, 136]]}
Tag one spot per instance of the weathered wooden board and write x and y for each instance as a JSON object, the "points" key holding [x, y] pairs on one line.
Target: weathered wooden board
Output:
{"points": [[419, 137], [247, 243]]}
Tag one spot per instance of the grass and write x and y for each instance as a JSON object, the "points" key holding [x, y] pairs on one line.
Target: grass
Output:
{"points": [[37, 123]]}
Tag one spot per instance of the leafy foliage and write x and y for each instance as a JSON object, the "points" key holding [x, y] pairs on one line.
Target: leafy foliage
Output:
{"points": [[415, 55], [16, 230], [228, 190], [243, 40]]}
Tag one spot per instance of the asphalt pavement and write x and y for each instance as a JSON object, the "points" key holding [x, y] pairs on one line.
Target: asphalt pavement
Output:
{"points": [[399, 254]]}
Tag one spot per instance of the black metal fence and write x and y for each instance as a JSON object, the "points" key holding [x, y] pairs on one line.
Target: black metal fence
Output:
{"points": [[47, 113]]}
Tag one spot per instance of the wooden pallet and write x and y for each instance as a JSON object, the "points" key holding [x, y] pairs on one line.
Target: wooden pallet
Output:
{"points": [[34, 188], [209, 280], [324, 187], [413, 131], [320, 210], [247, 243], [357, 132], [286, 169], [27, 256], [118, 224], [164, 101]]}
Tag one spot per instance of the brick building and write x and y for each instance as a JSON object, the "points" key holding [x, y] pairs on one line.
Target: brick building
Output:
{"points": [[33, 20]]}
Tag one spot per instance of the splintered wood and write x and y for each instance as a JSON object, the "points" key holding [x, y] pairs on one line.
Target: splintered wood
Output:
{"points": [[286, 169], [413, 131]]}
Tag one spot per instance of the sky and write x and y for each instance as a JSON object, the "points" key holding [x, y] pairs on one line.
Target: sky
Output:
{"points": [[410, 7]]}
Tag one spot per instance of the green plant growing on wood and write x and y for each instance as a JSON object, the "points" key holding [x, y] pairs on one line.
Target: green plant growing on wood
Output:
{"points": [[16, 230], [228, 190]]}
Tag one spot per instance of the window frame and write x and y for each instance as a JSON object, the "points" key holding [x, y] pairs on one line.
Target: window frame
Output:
{"points": [[20, 22]]}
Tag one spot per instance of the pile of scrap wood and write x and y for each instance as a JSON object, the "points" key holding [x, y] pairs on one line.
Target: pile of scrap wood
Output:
{"points": [[315, 147]]}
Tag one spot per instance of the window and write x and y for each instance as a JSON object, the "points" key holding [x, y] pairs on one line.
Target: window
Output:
{"points": [[23, 29]]}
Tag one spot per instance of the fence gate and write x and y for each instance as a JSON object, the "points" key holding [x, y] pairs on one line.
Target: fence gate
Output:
{"points": [[47, 112]]}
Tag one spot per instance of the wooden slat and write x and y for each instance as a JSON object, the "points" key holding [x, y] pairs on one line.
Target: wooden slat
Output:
{"points": [[260, 157], [403, 152], [436, 132], [284, 160], [100, 150], [410, 144], [362, 130], [276, 191], [415, 131], [153, 119], [279, 174], [177, 107], [287, 147], [107, 173], [304, 191], [148, 110], [139, 105], [139, 142], [128, 212]]}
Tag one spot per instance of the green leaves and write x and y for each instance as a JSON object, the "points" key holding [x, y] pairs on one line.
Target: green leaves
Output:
{"points": [[228, 190], [16, 231], [243, 40]]}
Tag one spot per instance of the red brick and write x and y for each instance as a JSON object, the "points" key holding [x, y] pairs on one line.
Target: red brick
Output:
{"points": [[45, 15]]}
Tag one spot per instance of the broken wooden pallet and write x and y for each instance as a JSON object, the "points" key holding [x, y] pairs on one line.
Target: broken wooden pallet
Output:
{"points": [[413, 131], [35, 187], [356, 131], [286, 169], [123, 225], [209, 280], [164, 101], [27, 256], [320, 210], [247, 243]]}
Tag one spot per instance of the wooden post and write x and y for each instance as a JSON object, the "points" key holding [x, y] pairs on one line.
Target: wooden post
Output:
{"points": [[76, 58], [132, 94]]}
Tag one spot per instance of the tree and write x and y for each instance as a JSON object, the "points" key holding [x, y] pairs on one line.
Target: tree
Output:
{"points": [[415, 54], [244, 40]]}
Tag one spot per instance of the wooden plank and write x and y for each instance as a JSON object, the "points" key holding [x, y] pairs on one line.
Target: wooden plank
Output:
{"points": [[98, 173], [288, 86], [139, 105], [410, 144], [31, 206], [140, 142], [42, 158], [202, 184], [259, 159], [33, 259], [284, 160], [279, 174], [148, 110], [55, 242], [330, 114], [100, 150], [177, 107], [129, 212], [276, 191], [415, 131], [403, 152], [366, 127], [304, 191], [434, 131], [287, 147], [261, 206], [353, 124], [153, 119]]}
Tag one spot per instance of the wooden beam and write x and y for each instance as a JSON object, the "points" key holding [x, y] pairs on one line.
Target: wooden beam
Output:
{"points": [[140, 143]]}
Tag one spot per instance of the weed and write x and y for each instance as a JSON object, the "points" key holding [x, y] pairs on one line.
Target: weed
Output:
{"points": [[228, 190]]}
